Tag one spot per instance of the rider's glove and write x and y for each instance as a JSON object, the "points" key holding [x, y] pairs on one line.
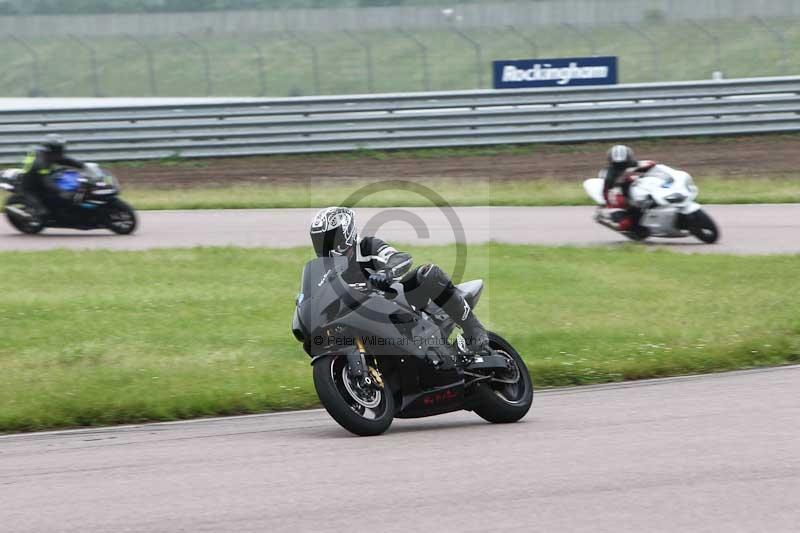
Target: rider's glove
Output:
{"points": [[381, 281]]}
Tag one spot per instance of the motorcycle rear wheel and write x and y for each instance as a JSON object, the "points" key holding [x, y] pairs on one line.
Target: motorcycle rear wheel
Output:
{"points": [[501, 402], [362, 415], [27, 226], [637, 233]]}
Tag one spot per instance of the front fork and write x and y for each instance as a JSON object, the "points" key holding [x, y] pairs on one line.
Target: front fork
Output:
{"points": [[358, 368], [357, 361]]}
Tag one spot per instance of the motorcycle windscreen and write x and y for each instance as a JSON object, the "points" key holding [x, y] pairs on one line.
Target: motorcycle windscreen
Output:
{"points": [[323, 292]]}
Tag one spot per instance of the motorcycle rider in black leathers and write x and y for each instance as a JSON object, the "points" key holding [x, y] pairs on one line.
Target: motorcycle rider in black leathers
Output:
{"points": [[333, 233], [38, 186], [621, 172]]}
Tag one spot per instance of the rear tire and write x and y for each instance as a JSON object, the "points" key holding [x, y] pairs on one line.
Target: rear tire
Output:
{"points": [[638, 233], [702, 226], [329, 375], [503, 403], [27, 226], [121, 218]]}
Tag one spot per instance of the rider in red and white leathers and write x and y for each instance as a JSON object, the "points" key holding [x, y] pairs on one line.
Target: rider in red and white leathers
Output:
{"points": [[621, 172]]}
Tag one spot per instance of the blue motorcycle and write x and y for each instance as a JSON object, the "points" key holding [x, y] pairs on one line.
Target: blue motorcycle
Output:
{"points": [[97, 204]]}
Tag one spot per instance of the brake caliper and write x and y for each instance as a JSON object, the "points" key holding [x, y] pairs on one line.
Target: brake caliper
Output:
{"points": [[376, 376]]}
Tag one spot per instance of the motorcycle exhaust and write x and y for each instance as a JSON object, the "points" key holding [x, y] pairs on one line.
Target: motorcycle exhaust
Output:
{"points": [[19, 212], [607, 223]]}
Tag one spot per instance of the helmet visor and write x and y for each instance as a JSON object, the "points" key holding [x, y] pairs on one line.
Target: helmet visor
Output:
{"points": [[328, 243]]}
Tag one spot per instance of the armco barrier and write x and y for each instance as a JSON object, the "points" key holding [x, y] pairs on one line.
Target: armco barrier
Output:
{"points": [[409, 120]]}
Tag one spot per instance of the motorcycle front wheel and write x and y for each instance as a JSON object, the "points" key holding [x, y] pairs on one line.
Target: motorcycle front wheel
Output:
{"points": [[120, 217], [507, 397], [362, 410], [702, 226]]}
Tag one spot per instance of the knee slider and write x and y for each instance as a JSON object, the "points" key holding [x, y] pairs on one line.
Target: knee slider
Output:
{"points": [[432, 274]]}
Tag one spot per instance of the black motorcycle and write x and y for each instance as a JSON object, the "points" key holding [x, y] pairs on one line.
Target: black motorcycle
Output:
{"points": [[376, 357], [99, 205]]}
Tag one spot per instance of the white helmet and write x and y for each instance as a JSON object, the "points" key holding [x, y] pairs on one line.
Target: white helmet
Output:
{"points": [[333, 231], [619, 155]]}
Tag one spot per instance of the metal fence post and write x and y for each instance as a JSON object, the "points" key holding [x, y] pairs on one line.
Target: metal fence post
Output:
{"points": [[582, 35], [653, 49], [151, 70], [262, 75], [779, 36], [367, 55], [478, 54], [36, 87], [92, 61], [423, 55], [314, 57], [206, 60], [714, 39], [529, 40]]}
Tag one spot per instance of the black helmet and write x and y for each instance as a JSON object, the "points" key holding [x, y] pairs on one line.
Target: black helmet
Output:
{"points": [[333, 231], [620, 155], [54, 143]]}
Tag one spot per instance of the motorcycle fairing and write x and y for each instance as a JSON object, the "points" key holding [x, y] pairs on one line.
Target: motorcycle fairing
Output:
{"points": [[328, 309], [662, 222]]}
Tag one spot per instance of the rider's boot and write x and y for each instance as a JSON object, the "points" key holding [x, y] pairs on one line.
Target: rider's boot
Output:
{"points": [[625, 224], [462, 314], [438, 287], [475, 334], [624, 220], [613, 218]]}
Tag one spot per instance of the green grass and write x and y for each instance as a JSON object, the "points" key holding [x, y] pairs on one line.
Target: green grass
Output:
{"points": [[103, 337], [747, 50], [452, 192]]}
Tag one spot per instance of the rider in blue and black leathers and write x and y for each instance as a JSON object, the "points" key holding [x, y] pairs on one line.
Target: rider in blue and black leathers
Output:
{"points": [[333, 233], [37, 179]]}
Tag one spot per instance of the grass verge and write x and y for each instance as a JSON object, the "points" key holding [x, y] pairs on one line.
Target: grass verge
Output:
{"points": [[104, 337], [594, 149], [453, 192]]}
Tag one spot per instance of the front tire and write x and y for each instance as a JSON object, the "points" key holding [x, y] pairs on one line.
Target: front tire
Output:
{"points": [[121, 218], [363, 415], [29, 226], [702, 226], [503, 402]]}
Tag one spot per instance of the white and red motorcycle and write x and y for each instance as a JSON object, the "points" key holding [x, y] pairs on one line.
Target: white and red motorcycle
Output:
{"points": [[665, 196]]}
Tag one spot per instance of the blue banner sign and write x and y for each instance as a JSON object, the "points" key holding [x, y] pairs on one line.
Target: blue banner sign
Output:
{"points": [[562, 72]]}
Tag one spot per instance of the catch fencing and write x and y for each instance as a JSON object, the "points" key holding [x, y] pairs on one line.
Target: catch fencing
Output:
{"points": [[323, 52], [526, 14], [410, 120]]}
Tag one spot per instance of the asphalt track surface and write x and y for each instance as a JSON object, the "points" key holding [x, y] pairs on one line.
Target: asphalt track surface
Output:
{"points": [[746, 229], [708, 453]]}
